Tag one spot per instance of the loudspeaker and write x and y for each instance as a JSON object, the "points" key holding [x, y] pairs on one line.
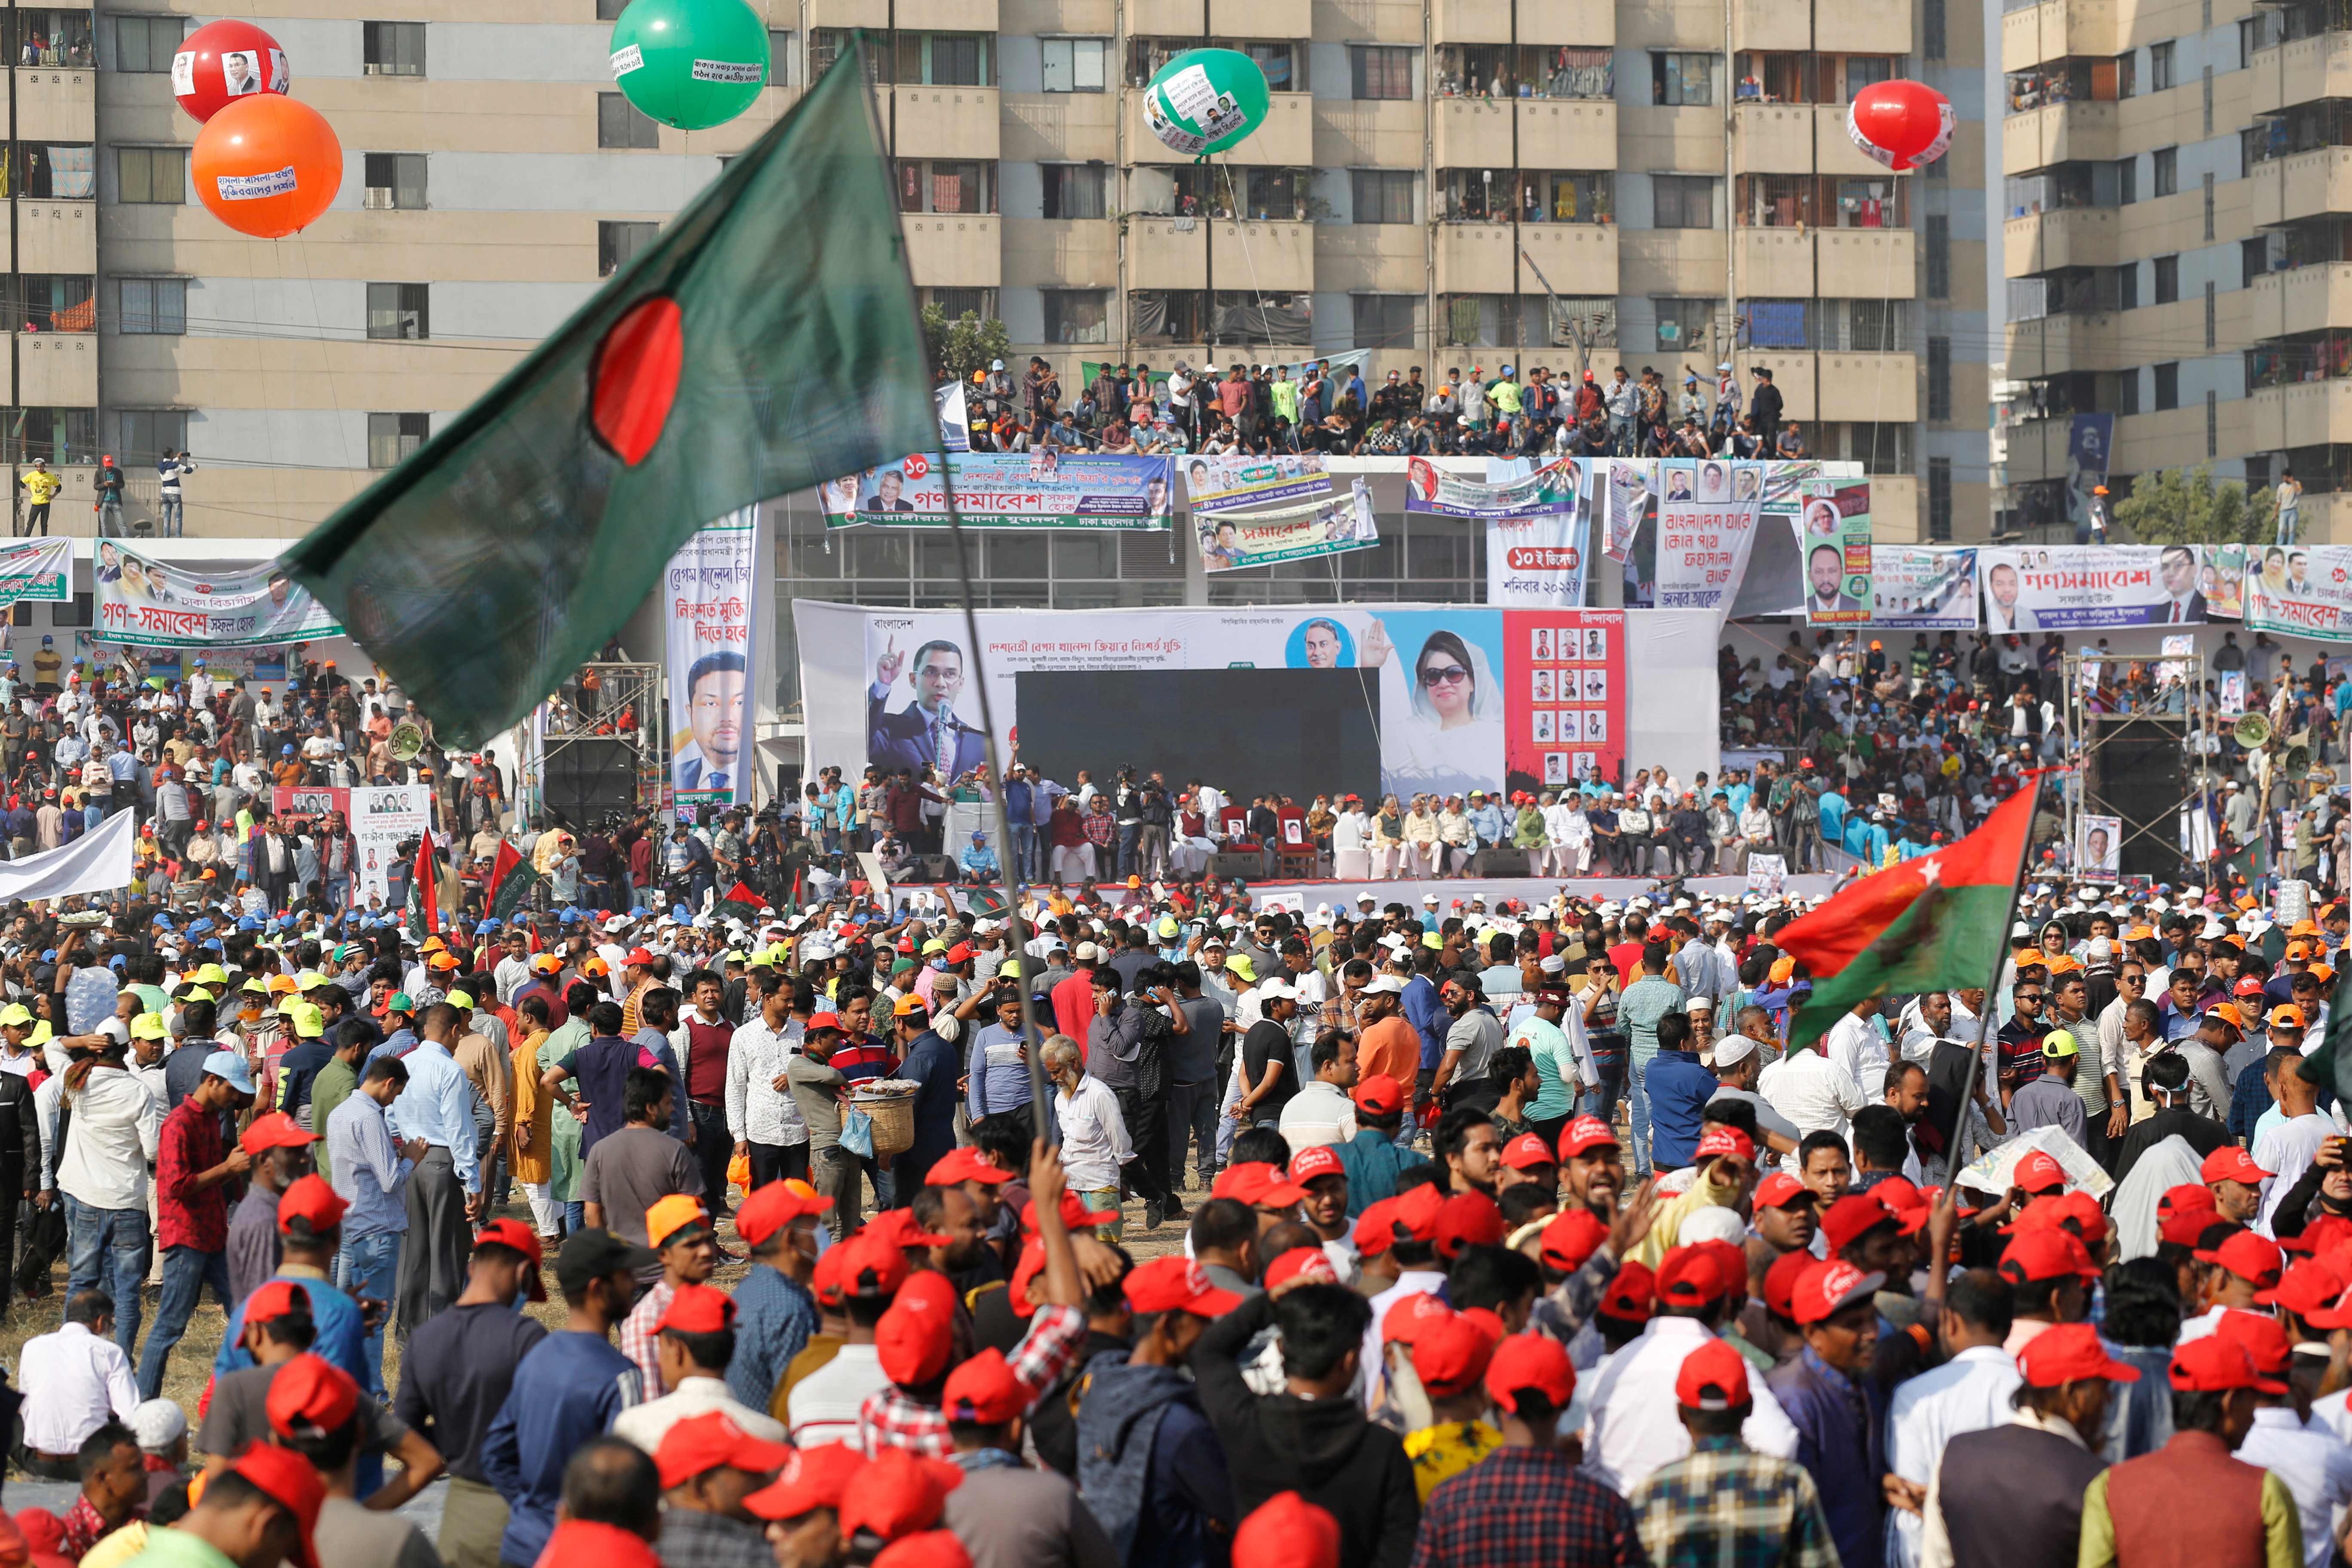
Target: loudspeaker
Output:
{"points": [[2139, 769], [586, 781]]}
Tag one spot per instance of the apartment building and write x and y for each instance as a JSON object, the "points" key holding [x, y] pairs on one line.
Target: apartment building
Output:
{"points": [[1462, 183]]}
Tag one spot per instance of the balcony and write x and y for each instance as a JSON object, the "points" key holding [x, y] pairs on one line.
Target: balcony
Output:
{"points": [[1167, 253], [946, 15], [1883, 387], [1367, 133], [2058, 133], [1792, 373], [1834, 151], [1578, 259], [1474, 134], [1568, 134], [57, 370], [1895, 509], [2044, 242], [1866, 263], [1862, 27], [1268, 257], [1370, 257], [1257, 19], [2057, 29], [954, 250], [1588, 22], [1062, 253], [1670, 262], [2302, 300], [2303, 71], [1056, 127], [57, 236], [954, 122], [1480, 258], [2303, 414], [1775, 264], [1286, 138], [2074, 340], [1168, 18], [2301, 185], [56, 103], [1472, 21], [1773, 138], [1766, 25], [874, 14]]}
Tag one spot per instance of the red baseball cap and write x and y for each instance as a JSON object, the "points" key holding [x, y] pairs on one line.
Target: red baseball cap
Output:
{"points": [[1719, 1140], [1468, 1219], [1780, 1282], [898, 1227], [2263, 1337], [1827, 1288], [275, 1131], [2188, 1227], [2324, 1234], [2036, 1254], [637, 955], [2212, 1365], [275, 1298], [310, 1397], [1413, 1216], [1410, 1317], [2232, 1164], [1301, 1263], [517, 1236], [2253, 1258], [956, 1165], [706, 1442], [2069, 1352], [699, 1309], [1528, 1151], [1452, 1356], [983, 1390], [1286, 1532], [1631, 1296], [2307, 1287], [1379, 1094], [1691, 1277], [1259, 1184], [286, 1478], [1780, 1190], [1374, 1231], [1314, 1163], [2038, 1172], [823, 1021], [313, 1203], [1569, 1239], [898, 1492], [1584, 1134], [1713, 1377], [1855, 1215], [871, 1266], [776, 1206], [1535, 1363], [811, 1479], [916, 1335], [1177, 1284]]}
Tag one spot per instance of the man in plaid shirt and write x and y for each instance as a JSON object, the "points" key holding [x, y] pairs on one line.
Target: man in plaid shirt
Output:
{"points": [[915, 1337], [1525, 1502], [680, 1231], [1725, 1505]]}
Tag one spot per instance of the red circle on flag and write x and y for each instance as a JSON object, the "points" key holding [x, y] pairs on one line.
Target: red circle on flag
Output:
{"points": [[636, 378]]}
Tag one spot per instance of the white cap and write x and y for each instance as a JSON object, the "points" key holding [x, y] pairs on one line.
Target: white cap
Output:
{"points": [[1552, 963], [1713, 1223], [158, 1424], [1087, 953], [1428, 898], [1733, 1049], [1275, 990], [1384, 985]]}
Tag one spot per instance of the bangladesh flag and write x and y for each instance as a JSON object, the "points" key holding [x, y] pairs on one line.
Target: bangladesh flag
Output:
{"points": [[766, 341], [511, 879], [1927, 924]]}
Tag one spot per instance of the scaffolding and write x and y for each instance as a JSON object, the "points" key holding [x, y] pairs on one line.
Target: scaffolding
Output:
{"points": [[2090, 728], [603, 703]]}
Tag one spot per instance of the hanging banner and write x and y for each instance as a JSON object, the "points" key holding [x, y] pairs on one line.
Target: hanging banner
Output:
{"points": [[378, 818], [2304, 589], [2062, 586], [2097, 842], [1708, 516], [707, 593], [1565, 697], [37, 569], [1788, 481], [153, 603], [1230, 541], [2222, 580], [955, 419], [1834, 533], [1430, 488], [1630, 485], [1228, 481], [1535, 555], [99, 861], [2089, 440], [1007, 490], [1923, 588]]}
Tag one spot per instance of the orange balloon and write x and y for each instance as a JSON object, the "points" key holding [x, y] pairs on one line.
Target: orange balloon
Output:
{"points": [[268, 165]]}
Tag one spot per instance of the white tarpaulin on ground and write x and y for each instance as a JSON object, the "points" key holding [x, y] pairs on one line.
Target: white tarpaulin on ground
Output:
{"points": [[96, 862]]}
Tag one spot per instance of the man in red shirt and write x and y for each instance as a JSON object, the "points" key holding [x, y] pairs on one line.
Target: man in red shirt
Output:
{"points": [[194, 1168], [1073, 999], [709, 1035]]}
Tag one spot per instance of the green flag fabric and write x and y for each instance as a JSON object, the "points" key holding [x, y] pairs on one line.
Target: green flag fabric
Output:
{"points": [[766, 341], [514, 891]]}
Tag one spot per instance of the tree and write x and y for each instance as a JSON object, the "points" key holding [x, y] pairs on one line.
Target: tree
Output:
{"points": [[2184, 506], [963, 345]]}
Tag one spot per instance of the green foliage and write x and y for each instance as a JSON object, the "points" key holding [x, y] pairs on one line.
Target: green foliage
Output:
{"points": [[963, 345], [2185, 506]]}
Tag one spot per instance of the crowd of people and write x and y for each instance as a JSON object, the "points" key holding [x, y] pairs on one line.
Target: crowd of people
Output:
{"points": [[1556, 1232]]}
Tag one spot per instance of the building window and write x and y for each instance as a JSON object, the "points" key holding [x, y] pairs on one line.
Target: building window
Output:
{"points": [[2247, 40], [392, 436], [146, 434], [2126, 180], [2166, 162], [392, 49], [399, 311], [1077, 315], [1931, 31], [1076, 190], [1380, 71], [1939, 379], [620, 124], [617, 243], [2210, 324], [2209, 207], [955, 304], [827, 45], [2253, 260], [145, 45], [51, 302], [1682, 201], [151, 307], [2168, 385], [1685, 326], [1382, 196], [2128, 286], [940, 185], [152, 176], [2167, 279], [63, 435], [1939, 256], [781, 52], [610, 10], [1387, 321], [1939, 499], [947, 60], [1685, 82], [2160, 67], [2212, 423], [1076, 64], [395, 181]]}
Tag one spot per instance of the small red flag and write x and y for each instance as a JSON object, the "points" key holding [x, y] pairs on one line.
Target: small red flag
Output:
{"points": [[505, 861], [427, 879]]}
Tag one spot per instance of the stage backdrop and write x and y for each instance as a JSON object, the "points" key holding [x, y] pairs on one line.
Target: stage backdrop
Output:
{"points": [[1456, 695]]}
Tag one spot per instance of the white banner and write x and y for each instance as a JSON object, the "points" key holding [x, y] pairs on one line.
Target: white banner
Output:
{"points": [[707, 593], [1534, 550], [1920, 587], [96, 862], [156, 604], [1221, 482], [1631, 482], [1708, 509], [2305, 590], [2098, 840], [2058, 587]]}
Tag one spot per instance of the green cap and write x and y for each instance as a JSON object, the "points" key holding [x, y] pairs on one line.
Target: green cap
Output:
{"points": [[400, 1003]]}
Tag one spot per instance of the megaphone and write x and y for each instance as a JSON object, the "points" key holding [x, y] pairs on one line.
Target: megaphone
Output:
{"points": [[2252, 731], [2298, 761]]}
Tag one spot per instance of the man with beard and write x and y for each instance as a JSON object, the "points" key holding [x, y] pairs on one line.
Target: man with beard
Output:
{"points": [[1319, 1173], [1466, 1145], [1905, 1093], [1592, 1171]]}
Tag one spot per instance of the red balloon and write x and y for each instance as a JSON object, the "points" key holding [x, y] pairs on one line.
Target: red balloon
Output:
{"points": [[223, 61], [1903, 124], [268, 165]]}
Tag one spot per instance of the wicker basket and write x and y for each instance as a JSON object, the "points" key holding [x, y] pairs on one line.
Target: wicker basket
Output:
{"points": [[894, 1122]]}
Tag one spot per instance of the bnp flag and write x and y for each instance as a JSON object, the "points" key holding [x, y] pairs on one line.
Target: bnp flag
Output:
{"points": [[768, 341], [507, 888], [1924, 924]]}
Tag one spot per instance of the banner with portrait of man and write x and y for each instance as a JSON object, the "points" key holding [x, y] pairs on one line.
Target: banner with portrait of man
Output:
{"points": [[148, 603], [707, 594], [2061, 587], [2098, 840]]}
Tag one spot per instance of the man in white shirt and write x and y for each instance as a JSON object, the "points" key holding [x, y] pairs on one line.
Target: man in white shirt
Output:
{"points": [[2287, 1147], [699, 1322], [1094, 1134], [75, 1381], [866, 1271], [2309, 1457], [1853, 1043], [109, 1142], [1812, 1092], [1320, 1112], [1969, 1393]]}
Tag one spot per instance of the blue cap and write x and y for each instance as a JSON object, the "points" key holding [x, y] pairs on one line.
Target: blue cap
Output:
{"points": [[486, 928], [118, 962], [230, 1068], [247, 922], [50, 955], [213, 944]]}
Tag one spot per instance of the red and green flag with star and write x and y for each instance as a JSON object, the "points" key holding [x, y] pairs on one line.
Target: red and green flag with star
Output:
{"points": [[1931, 924], [767, 340]]}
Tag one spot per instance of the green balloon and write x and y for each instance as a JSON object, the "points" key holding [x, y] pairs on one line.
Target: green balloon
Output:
{"points": [[1205, 100], [691, 64]]}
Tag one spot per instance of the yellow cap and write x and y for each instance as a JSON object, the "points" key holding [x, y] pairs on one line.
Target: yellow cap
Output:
{"points": [[148, 1026]]}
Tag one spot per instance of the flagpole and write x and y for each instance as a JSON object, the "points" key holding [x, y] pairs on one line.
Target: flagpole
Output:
{"points": [[1992, 989]]}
